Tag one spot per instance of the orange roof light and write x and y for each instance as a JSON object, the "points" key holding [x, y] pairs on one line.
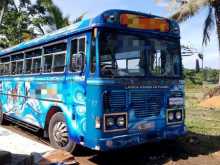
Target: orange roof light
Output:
{"points": [[144, 23]]}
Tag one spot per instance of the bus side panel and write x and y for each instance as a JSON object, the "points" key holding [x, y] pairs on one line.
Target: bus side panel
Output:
{"points": [[29, 100], [75, 102], [43, 93], [13, 100]]}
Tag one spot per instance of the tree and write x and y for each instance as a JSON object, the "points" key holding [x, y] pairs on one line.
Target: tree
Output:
{"points": [[3, 6], [14, 25], [25, 20], [51, 13]]}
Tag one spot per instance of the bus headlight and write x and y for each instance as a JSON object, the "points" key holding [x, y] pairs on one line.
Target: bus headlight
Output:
{"points": [[115, 122], [175, 116], [121, 121], [110, 122], [170, 116], [178, 115]]}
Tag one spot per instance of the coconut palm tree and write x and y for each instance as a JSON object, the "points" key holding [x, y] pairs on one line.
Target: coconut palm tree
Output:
{"points": [[189, 8], [55, 14], [185, 9]]}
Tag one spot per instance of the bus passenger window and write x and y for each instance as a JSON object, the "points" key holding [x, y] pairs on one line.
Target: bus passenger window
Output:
{"points": [[60, 47], [28, 65], [1, 69], [54, 57], [19, 68], [48, 63], [59, 63], [36, 65], [33, 61], [6, 65], [7, 69], [13, 67]]}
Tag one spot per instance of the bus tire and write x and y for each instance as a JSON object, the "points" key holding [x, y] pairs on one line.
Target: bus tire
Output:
{"points": [[58, 134]]}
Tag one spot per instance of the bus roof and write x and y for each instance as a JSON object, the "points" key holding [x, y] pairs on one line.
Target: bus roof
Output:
{"points": [[81, 26]]}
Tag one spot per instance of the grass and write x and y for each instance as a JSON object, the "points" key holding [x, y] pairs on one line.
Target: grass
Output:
{"points": [[198, 119], [203, 124]]}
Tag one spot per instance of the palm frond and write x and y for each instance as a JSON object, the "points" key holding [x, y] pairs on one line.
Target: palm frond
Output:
{"points": [[208, 26], [189, 9], [54, 12], [169, 5]]}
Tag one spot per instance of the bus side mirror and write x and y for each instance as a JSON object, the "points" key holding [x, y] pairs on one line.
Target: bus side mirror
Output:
{"points": [[79, 61]]}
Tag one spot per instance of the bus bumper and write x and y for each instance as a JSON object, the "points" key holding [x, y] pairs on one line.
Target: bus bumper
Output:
{"points": [[124, 141]]}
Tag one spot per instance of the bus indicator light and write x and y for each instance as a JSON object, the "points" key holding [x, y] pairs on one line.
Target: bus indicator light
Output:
{"points": [[97, 123]]}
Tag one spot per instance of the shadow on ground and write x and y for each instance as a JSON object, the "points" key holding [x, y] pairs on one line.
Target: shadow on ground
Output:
{"points": [[192, 145], [7, 158]]}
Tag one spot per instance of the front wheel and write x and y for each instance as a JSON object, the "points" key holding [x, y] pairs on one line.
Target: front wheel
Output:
{"points": [[58, 133]]}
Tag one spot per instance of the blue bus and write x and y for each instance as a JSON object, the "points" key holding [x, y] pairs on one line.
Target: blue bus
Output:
{"points": [[109, 82]]}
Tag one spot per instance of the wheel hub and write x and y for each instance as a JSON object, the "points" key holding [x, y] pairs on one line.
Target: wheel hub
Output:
{"points": [[60, 134]]}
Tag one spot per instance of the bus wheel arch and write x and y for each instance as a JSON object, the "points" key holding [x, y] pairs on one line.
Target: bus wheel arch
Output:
{"points": [[52, 111]]}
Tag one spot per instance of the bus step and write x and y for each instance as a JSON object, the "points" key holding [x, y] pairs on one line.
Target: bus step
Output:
{"points": [[22, 123]]}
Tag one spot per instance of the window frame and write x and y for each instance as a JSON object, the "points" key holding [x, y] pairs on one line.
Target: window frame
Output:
{"points": [[41, 57]]}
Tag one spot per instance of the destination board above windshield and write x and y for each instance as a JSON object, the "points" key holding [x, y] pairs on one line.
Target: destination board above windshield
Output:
{"points": [[144, 23]]}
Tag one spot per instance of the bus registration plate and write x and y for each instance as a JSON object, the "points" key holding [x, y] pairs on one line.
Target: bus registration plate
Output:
{"points": [[146, 126]]}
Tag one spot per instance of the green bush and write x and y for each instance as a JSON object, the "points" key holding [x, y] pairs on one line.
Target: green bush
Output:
{"points": [[197, 78]]}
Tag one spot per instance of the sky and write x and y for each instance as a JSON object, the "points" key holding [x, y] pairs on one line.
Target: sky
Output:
{"points": [[191, 30]]}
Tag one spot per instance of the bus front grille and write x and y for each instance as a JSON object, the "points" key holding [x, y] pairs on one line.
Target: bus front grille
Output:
{"points": [[118, 100], [146, 103]]}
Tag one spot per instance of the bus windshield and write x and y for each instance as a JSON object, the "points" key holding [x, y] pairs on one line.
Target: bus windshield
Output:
{"points": [[125, 55]]}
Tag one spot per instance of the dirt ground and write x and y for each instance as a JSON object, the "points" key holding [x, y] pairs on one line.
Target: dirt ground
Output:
{"points": [[213, 102], [181, 152], [194, 149]]}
